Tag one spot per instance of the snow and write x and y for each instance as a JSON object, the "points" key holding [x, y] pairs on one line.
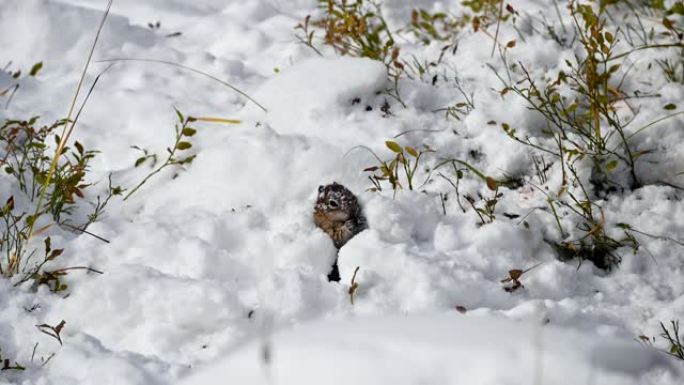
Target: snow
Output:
{"points": [[442, 349], [208, 264]]}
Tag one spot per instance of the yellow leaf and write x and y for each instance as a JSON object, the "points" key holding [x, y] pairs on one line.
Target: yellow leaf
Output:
{"points": [[394, 146], [218, 120]]}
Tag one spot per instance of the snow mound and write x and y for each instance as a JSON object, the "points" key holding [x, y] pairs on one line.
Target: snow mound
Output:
{"points": [[436, 349], [316, 90]]}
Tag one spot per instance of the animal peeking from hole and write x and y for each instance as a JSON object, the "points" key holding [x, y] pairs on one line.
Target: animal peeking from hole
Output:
{"points": [[338, 213]]}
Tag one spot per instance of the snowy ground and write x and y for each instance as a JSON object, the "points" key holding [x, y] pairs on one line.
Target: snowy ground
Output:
{"points": [[207, 263]]}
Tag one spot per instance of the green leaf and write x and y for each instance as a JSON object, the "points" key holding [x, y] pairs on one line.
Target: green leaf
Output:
{"points": [[183, 145], [188, 131], [181, 118], [79, 147], [609, 37], [670, 106], [55, 253], [30, 220], [36, 68], [187, 160], [677, 8], [412, 151], [140, 161], [9, 205], [394, 146], [611, 165]]}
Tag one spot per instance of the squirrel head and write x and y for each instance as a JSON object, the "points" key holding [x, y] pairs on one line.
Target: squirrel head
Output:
{"points": [[336, 202]]}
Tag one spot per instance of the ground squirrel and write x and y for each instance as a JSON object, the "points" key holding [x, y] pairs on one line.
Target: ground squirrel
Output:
{"points": [[338, 213]]}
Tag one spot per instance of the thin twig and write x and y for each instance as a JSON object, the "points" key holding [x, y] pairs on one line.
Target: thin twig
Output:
{"points": [[214, 78], [85, 232], [498, 24], [68, 129]]}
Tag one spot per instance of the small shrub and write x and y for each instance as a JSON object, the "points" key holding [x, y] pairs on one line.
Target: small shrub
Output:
{"points": [[25, 157], [401, 169], [583, 123], [356, 28]]}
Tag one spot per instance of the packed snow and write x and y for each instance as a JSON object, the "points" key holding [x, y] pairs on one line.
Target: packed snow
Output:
{"points": [[215, 273]]}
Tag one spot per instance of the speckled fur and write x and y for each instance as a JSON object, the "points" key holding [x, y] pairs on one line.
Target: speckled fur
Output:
{"points": [[338, 213]]}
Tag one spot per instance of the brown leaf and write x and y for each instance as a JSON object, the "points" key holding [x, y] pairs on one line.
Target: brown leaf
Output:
{"points": [[59, 327], [492, 184], [515, 274], [476, 24]]}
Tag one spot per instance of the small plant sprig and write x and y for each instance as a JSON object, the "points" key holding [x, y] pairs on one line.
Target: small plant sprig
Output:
{"points": [[406, 159], [461, 109], [672, 336], [12, 89], [353, 286], [7, 365], [439, 26], [53, 331], [183, 132], [53, 279], [486, 213], [514, 276], [146, 155]]}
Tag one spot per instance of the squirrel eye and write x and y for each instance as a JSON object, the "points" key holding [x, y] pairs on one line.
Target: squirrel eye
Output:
{"points": [[332, 203]]}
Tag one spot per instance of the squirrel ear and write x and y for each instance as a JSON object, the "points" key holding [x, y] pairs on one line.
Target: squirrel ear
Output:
{"points": [[335, 184], [320, 189]]}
